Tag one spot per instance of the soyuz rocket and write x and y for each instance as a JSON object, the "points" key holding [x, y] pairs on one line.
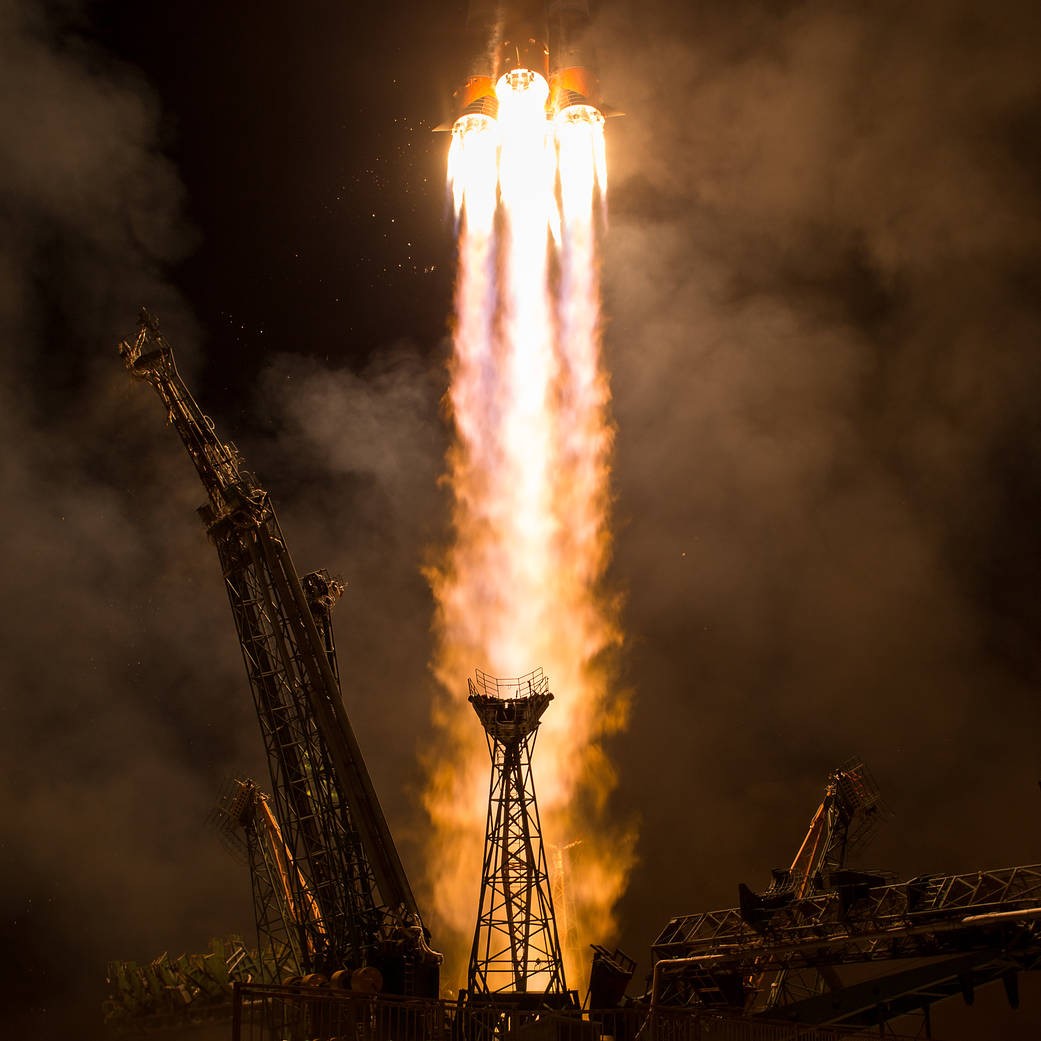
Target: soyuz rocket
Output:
{"points": [[521, 42]]}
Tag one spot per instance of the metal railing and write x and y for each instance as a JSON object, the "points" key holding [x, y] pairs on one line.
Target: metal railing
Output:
{"points": [[301, 1013]]}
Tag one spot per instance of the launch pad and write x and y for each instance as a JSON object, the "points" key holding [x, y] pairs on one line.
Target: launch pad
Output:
{"points": [[335, 907]]}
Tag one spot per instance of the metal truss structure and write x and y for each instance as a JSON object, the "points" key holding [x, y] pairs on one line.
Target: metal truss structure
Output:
{"points": [[343, 856], [516, 951], [847, 816], [780, 954], [282, 923]]}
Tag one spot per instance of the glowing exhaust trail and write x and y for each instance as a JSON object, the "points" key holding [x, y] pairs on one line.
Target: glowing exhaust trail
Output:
{"points": [[521, 584]]}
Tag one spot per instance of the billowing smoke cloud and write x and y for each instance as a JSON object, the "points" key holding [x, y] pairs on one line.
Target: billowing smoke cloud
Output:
{"points": [[125, 706], [114, 739], [821, 288], [356, 462], [821, 274]]}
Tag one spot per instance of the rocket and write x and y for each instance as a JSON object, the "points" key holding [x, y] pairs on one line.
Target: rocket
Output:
{"points": [[573, 84], [526, 40]]}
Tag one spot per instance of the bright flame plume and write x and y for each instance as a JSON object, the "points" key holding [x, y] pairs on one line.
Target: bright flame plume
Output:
{"points": [[521, 585]]}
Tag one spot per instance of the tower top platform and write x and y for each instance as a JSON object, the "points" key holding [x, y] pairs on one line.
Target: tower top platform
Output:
{"points": [[510, 709]]}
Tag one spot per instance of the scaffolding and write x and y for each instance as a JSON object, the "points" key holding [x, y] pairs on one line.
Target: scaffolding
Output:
{"points": [[352, 904]]}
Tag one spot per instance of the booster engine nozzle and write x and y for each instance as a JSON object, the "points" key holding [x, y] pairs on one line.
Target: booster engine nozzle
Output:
{"points": [[572, 95], [478, 98]]}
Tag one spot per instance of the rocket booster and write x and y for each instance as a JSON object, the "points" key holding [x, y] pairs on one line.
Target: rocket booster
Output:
{"points": [[529, 39], [573, 83]]}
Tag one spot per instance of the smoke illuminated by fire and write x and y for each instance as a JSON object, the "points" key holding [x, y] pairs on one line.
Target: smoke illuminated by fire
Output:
{"points": [[521, 584]]}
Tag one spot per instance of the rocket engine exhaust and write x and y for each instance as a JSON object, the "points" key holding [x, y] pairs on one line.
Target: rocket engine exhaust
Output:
{"points": [[538, 40], [523, 581]]}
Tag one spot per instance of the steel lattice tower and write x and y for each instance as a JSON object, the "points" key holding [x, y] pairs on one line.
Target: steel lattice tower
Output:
{"points": [[345, 891], [516, 950]]}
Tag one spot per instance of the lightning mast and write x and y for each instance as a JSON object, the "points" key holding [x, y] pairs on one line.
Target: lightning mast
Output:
{"points": [[344, 858], [515, 957]]}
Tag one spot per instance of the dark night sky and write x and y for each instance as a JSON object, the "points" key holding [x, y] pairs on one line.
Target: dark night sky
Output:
{"points": [[821, 282]]}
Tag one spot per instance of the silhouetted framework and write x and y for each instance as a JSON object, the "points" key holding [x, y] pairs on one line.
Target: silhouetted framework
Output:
{"points": [[846, 818], [282, 922], [329, 1014], [780, 954], [343, 856], [516, 951]]}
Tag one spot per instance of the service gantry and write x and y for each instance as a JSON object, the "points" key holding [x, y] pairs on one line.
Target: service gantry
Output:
{"points": [[780, 955], [515, 958], [344, 861], [282, 898]]}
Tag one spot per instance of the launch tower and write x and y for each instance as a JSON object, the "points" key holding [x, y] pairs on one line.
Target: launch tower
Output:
{"points": [[347, 901], [516, 951]]}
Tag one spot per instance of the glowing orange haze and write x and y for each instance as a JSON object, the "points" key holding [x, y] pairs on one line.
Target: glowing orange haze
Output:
{"points": [[521, 584]]}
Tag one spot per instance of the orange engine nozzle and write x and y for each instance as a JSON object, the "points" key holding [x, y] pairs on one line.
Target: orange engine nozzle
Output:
{"points": [[477, 97], [574, 85]]}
